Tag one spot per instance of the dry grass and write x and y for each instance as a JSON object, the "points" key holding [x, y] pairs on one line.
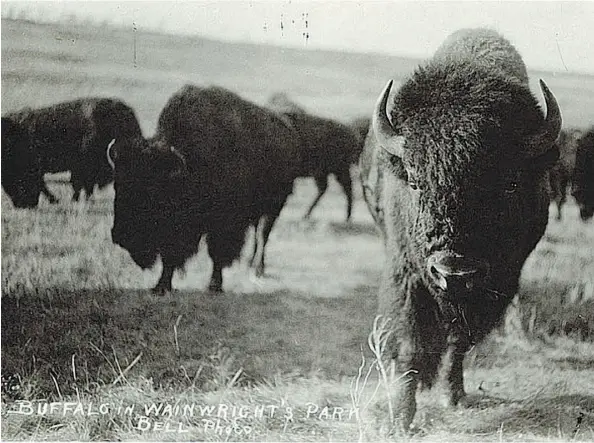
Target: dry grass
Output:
{"points": [[79, 325]]}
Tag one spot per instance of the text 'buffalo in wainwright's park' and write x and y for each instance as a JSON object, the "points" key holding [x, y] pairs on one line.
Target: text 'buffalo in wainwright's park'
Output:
{"points": [[69, 136], [455, 172], [217, 165]]}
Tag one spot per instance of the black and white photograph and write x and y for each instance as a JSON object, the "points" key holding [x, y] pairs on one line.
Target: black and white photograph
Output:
{"points": [[291, 220]]}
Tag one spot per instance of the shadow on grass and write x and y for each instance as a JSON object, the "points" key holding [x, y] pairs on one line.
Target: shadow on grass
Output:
{"points": [[548, 309], [63, 341], [562, 416]]}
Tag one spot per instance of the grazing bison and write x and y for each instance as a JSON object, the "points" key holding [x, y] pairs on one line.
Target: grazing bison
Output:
{"points": [[456, 170], [217, 165], [583, 178], [72, 136], [560, 176], [21, 177], [327, 147]]}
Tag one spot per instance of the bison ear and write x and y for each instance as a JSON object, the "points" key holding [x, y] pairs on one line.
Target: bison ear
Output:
{"points": [[547, 160], [111, 154], [179, 167]]}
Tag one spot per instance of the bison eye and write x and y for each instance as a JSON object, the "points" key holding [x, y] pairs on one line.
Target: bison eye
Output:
{"points": [[511, 187], [413, 185]]}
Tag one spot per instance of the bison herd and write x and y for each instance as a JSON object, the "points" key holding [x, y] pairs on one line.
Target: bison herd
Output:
{"points": [[458, 168]]}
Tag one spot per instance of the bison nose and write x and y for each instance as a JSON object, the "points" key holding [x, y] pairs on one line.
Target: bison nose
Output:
{"points": [[456, 272]]}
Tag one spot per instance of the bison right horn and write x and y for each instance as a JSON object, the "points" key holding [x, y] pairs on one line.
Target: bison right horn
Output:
{"points": [[108, 154], [553, 121], [382, 127]]}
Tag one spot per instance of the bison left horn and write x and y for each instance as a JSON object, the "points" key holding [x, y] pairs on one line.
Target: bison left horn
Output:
{"points": [[552, 124], [108, 154], [382, 127]]}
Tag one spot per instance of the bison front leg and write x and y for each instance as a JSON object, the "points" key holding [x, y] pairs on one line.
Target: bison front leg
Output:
{"points": [[452, 373], [322, 185], [397, 304], [344, 179], [163, 286]]}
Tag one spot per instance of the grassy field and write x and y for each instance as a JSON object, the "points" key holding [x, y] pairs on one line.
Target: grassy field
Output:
{"points": [[280, 358]]}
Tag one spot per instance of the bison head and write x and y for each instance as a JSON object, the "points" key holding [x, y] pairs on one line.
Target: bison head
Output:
{"points": [[464, 164], [147, 175], [21, 177]]}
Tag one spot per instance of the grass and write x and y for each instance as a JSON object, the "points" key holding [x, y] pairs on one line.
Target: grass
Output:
{"points": [[282, 358]]}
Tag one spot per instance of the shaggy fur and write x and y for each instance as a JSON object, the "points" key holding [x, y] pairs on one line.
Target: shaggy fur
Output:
{"points": [[561, 175], [216, 165], [72, 136], [22, 179], [327, 147], [468, 183], [583, 179]]}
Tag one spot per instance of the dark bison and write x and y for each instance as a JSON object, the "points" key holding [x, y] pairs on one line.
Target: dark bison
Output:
{"points": [[583, 177], [72, 136], [456, 172], [22, 178], [361, 126], [217, 165], [561, 174], [327, 147]]}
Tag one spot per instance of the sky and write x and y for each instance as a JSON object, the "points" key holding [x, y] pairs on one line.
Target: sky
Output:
{"points": [[552, 35]]}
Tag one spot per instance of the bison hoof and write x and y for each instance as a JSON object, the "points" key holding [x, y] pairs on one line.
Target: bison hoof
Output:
{"points": [[161, 291], [453, 399], [215, 286]]}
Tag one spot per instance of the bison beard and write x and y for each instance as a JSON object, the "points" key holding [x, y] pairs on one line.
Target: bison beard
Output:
{"points": [[217, 165], [456, 177]]}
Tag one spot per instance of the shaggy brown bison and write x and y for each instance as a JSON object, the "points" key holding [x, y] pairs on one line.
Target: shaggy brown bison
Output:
{"points": [[583, 177], [217, 165], [327, 147], [72, 136], [561, 174], [22, 178], [456, 173]]}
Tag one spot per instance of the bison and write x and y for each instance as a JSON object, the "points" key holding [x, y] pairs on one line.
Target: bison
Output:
{"points": [[327, 147], [561, 175], [217, 165], [72, 136], [456, 170], [22, 178], [583, 178]]}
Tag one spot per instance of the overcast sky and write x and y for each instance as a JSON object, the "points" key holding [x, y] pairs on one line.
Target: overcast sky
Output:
{"points": [[556, 35]]}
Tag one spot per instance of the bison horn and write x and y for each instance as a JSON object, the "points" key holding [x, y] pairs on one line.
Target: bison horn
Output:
{"points": [[382, 127], [552, 124], [180, 163], [108, 154]]}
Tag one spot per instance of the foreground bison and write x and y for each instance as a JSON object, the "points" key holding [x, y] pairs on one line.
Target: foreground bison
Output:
{"points": [[217, 165], [327, 147], [456, 174], [583, 177], [72, 136], [561, 174]]}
